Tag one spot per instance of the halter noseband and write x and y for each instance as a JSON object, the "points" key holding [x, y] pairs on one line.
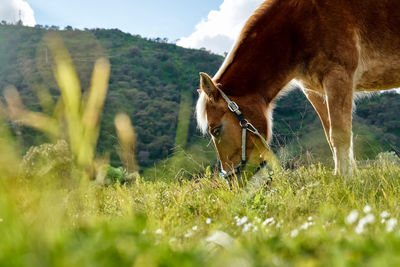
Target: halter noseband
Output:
{"points": [[246, 127]]}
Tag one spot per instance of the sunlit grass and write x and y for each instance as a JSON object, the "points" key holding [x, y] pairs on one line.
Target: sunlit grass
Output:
{"points": [[302, 219], [51, 215]]}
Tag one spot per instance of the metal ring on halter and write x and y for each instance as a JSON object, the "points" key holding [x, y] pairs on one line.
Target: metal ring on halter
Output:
{"points": [[244, 123], [250, 127]]}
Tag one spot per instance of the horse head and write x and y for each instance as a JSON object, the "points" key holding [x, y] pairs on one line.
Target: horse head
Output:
{"points": [[240, 126]]}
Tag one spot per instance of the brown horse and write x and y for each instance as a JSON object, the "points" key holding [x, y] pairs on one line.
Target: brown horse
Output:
{"points": [[333, 48]]}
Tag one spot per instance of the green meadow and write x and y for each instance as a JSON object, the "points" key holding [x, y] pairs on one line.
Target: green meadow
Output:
{"points": [[307, 217], [63, 204]]}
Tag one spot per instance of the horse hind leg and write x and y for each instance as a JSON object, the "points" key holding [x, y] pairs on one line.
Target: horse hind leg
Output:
{"points": [[318, 101], [338, 86]]}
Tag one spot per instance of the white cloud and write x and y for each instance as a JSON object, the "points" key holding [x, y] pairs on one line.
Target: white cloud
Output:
{"points": [[9, 11], [221, 28]]}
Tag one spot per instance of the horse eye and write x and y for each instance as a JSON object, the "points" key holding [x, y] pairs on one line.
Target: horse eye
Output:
{"points": [[216, 131]]}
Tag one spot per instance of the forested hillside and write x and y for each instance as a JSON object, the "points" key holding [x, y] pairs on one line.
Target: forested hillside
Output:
{"points": [[148, 80]]}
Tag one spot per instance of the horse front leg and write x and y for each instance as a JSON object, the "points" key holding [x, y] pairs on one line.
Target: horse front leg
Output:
{"points": [[318, 101], [338, 86]]}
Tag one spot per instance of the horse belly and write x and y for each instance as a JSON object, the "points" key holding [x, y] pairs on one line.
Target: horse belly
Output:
{"points": [[377, 70]]}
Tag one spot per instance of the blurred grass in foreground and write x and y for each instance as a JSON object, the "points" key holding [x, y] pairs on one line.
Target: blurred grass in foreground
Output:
{"points": [[308, 217], [76, 118]]}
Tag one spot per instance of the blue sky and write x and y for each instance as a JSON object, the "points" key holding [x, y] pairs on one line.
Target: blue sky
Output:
{"points": [[210, 24], [150, 18]]}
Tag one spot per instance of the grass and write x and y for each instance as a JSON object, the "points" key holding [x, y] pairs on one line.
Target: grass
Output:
{"points": [[302, 219], [53, 214]]}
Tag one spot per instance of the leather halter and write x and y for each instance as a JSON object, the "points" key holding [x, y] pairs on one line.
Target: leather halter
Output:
{"points": [[246, 127]]}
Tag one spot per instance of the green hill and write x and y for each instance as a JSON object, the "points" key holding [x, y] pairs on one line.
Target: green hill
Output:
{"points": [[149, 80]]}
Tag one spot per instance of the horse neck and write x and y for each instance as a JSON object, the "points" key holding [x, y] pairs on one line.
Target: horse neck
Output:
{"points": [[263, 60]]}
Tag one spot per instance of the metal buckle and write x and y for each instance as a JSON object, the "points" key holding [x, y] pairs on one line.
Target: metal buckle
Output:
{"points": [[233, 106]]}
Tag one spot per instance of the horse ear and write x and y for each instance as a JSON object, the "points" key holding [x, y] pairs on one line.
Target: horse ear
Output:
{"points": [[208, 86]]}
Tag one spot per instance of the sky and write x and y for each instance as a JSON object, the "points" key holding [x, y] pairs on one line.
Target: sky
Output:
{"points": [[210, 24]]}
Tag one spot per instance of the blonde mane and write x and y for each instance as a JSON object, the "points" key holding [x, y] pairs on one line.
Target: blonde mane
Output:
{"points": [[201, 114]]}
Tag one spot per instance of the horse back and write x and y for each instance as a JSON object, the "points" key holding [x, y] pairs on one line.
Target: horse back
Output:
{"points": [[361, 35]]}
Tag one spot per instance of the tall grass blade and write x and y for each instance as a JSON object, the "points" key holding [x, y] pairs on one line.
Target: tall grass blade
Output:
{"points": [[127, 139], [19, 114], [9, 151], [93, 109], [69, 84]]}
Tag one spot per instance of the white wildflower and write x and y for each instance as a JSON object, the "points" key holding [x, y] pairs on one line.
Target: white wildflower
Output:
{"points": [[384, 214], [306, 225], [241, 221], [172, 240], [158, 231], [220, 238], [368, 219], [194, 228], [359, 229], [247, 227], [391, 224], [294, 233], [188, 234], [310, 219], [367, 209], [208, 221], [269, 221], [352, 217]]}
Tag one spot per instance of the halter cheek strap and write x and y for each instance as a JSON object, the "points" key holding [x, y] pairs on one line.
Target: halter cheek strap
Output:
{"points": [[246, 127]]}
